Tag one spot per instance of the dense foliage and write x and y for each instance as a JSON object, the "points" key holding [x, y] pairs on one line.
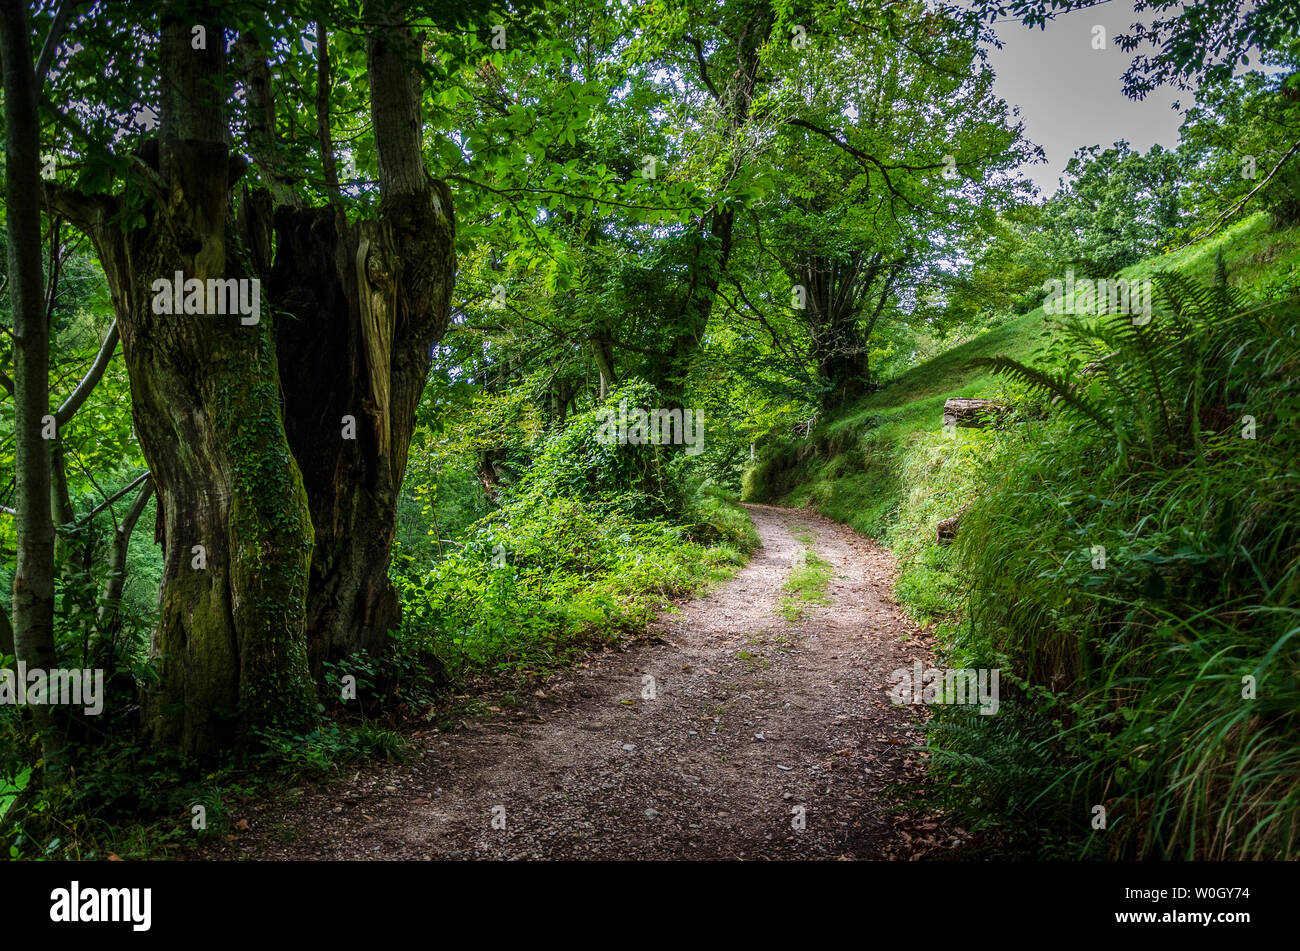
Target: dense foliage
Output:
{"points": [[799, 227]]}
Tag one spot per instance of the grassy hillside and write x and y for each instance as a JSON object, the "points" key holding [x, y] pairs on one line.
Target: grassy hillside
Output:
{"points": [[1129, 683], [886, 467]]}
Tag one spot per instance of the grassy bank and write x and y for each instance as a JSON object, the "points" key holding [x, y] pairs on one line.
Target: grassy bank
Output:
{"points": [[1126, 574]]}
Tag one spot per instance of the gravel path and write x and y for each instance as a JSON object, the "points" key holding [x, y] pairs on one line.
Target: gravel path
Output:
{"points": [[731, 734]]}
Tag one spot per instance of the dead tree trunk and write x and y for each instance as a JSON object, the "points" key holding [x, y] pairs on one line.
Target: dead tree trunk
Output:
{"points": [[973, 414], [368, 303], [946, 530]]}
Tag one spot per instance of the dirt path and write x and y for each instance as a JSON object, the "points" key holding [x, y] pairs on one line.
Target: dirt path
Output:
{"points": [[756, 726]]}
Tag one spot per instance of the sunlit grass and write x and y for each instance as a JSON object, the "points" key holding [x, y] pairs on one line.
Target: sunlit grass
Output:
{"points": [[805, 586]]}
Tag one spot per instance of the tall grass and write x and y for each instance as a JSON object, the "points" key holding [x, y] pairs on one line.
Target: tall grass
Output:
{"points": [[1159, 679]]}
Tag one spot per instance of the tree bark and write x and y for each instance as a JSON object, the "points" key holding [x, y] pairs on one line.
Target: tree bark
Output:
{"points": [[369, 304], [973, 414], [33, 595], [233, 520]]}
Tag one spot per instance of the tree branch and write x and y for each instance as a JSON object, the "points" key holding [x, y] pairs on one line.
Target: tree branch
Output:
{"points": [[323, 120], [704, 69], [839, 139], [90, 380], [53, 39], [113, 498], [261, 122], [1218, 222]]}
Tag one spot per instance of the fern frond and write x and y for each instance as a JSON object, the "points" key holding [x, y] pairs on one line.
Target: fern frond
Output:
{"points": [[1059, 386]]}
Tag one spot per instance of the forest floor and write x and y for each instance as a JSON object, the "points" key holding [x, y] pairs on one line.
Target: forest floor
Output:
{"points": [[758, 738]]}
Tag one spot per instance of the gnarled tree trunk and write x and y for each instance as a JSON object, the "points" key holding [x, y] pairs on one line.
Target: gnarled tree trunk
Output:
{"points": [[242, 425], [233, 521], [369, 301]]}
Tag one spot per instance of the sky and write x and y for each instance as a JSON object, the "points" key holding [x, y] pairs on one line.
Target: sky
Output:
{"points": [[1070, 94]]}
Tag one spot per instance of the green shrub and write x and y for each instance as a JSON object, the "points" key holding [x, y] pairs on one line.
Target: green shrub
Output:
{"points": [[638, 481], [585, 549]]}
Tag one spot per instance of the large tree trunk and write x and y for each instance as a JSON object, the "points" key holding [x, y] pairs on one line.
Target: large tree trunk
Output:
{"points": [[369, 304], [33, 597], [831, 313], [843, 360], [243, 426], [836, 289], [233, 521], [205, 402]]}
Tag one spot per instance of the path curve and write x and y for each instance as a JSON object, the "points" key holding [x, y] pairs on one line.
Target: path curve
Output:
{"points": [[764, 739]]}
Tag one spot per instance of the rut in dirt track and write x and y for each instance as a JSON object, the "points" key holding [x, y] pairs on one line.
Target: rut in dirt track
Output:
{"points": [[757, 726]]}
